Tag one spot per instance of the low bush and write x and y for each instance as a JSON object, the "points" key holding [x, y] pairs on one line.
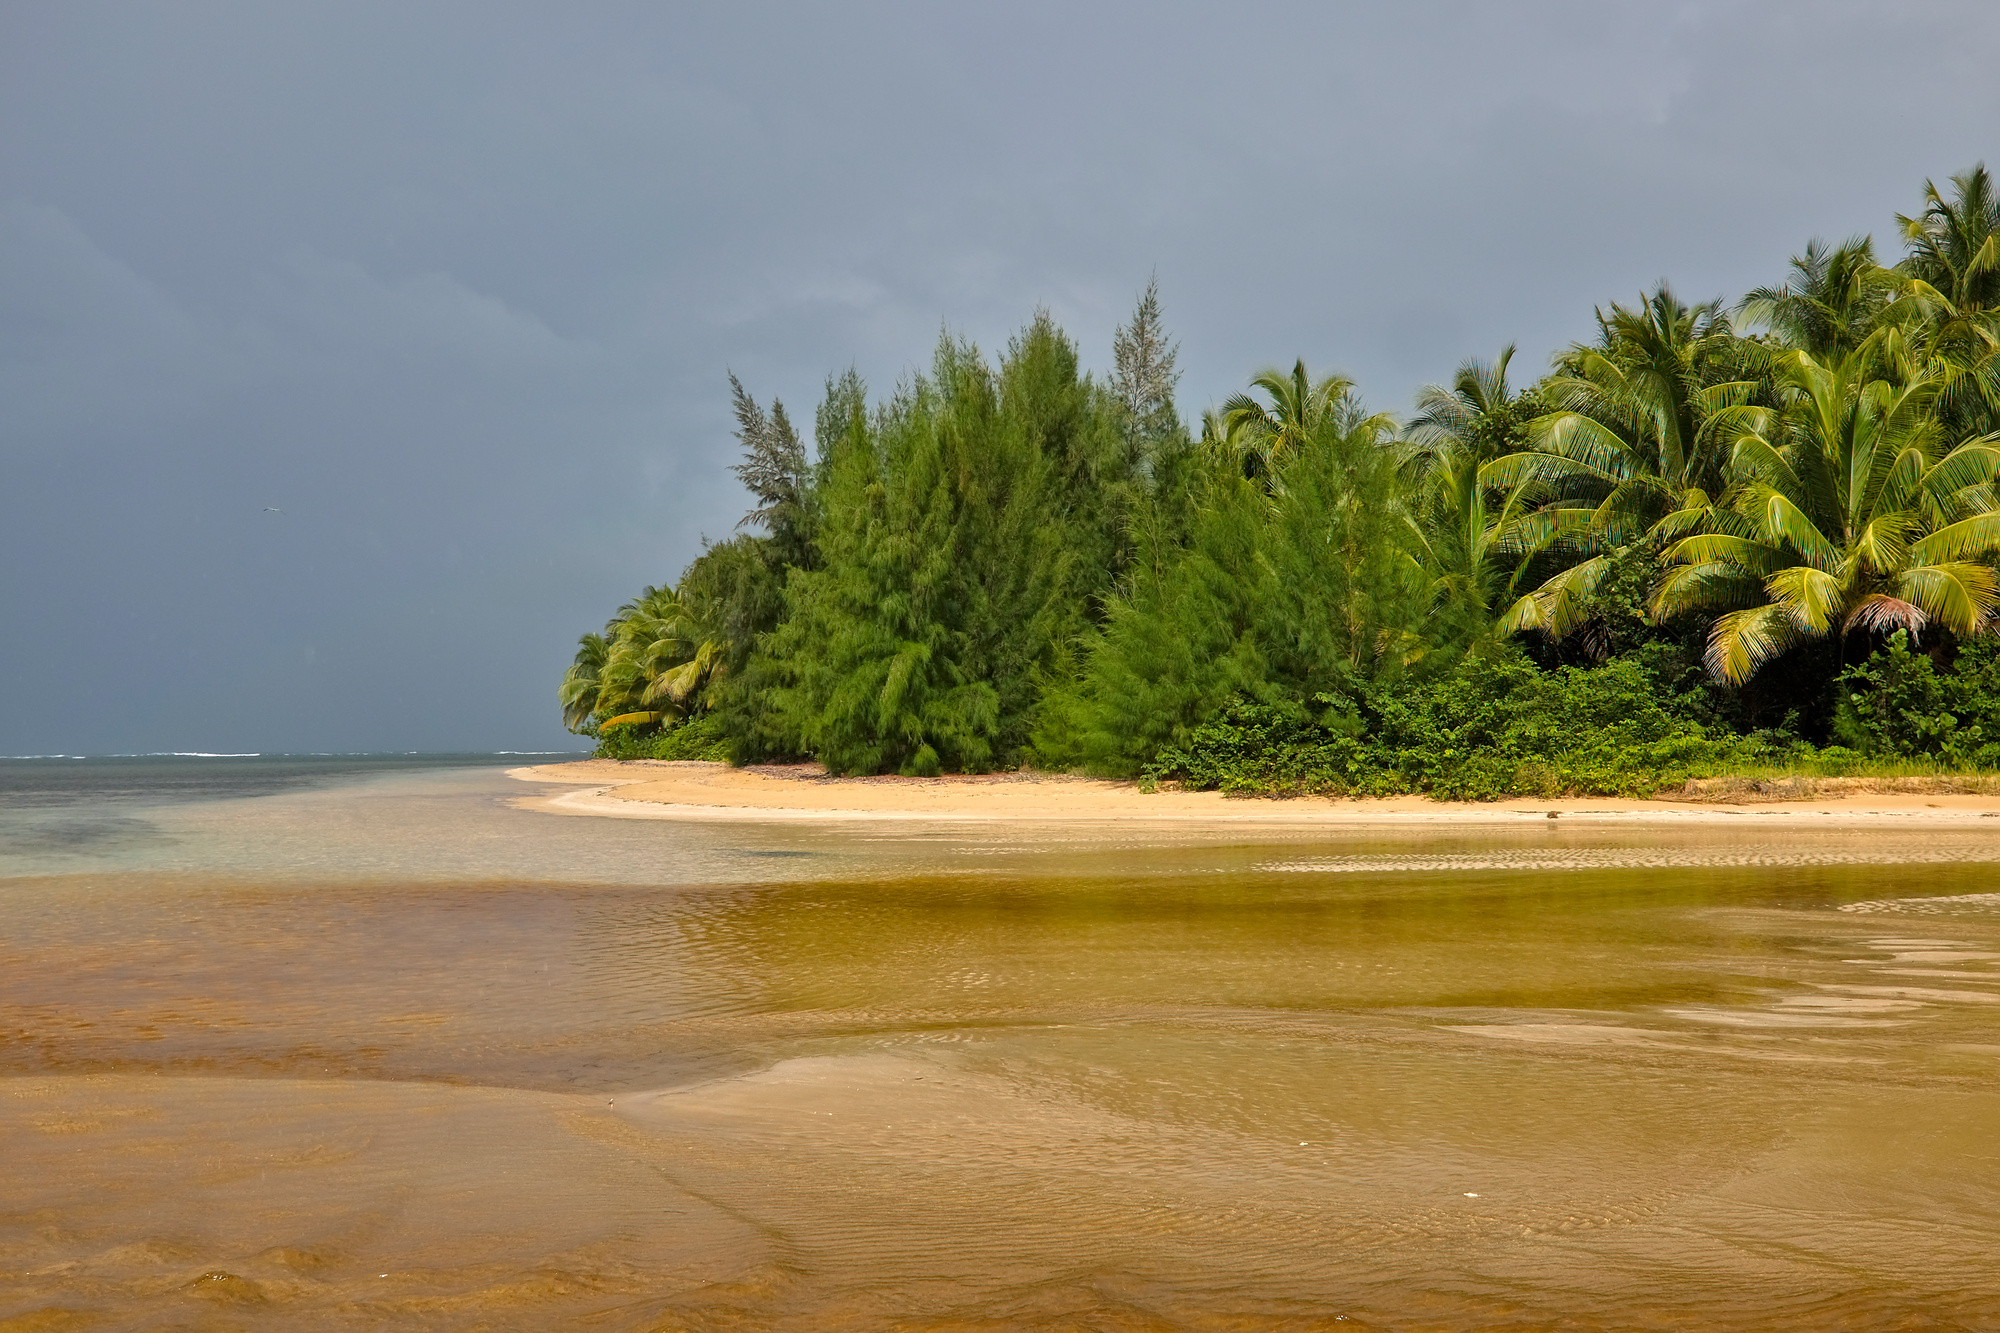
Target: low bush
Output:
{"points": [[1900, 704], [1496, 727], [1492, 728], [696, 738]]}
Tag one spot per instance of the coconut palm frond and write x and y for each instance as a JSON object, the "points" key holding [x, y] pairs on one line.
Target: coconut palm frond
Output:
{"points": [[1958, 595], [1813, 598], [1742, 641], [582, 683], [1561, 604], [632, 719]]}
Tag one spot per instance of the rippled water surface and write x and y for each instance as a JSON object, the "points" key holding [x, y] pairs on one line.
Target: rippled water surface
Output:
{"points": [[363, 1045]]}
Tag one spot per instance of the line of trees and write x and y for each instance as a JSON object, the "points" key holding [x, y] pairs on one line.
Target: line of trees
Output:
{"points": [[1710, 534]]}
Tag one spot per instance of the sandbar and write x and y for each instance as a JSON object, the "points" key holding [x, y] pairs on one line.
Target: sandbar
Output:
{"points": [[654, 789]]}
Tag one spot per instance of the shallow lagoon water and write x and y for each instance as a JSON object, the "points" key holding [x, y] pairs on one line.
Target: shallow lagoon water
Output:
{"points": [[371, 1046]]}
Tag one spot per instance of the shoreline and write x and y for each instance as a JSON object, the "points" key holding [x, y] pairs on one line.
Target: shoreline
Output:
{"points": [[692, 790]]}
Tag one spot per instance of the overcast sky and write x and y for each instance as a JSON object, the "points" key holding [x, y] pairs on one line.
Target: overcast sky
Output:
{"points": [[455, 287]]}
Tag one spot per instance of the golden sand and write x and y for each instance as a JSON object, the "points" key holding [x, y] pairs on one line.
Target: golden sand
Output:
{"points": [[652, 789]]}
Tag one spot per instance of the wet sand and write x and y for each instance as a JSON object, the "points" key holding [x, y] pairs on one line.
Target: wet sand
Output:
{"points": [[650, 789], [1014, 1074]]}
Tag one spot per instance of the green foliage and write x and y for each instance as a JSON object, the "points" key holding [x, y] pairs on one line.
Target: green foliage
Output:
{"points": [[1494, 727], [1847, 510], [657, 660], [582, 687], [1145, 377], [1949, 297], [1832, 302], [775, 473], [1480, 416], [873, 654], [970, 524], [739, 584], [1898, 703], [1690, 532], [1302, 578], [699, 738]]}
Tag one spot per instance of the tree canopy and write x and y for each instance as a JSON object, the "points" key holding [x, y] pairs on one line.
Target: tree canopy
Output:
{"points": [[1720, 515]]}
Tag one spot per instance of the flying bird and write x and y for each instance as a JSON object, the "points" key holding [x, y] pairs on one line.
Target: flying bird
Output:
{"points": [[272, 509]]}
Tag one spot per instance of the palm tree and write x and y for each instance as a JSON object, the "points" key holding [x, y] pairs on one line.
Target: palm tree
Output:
{"points": [[663, 648], [1955, 244], [1479, 417], [1628, 428], [1830, 305], [1846, 513], [1625, 458], [655, 661], [582, 683], [1473, 531], [1952, 295], [1265, 434]]}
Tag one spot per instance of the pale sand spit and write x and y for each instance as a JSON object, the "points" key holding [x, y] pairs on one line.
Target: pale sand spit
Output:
{"points": [[651, 789]]}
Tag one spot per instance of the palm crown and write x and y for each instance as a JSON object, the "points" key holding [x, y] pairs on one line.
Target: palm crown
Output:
{"points": [[1847, 512]]}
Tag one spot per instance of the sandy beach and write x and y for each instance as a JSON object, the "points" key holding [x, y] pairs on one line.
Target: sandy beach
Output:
{"points": [[650, 789]]}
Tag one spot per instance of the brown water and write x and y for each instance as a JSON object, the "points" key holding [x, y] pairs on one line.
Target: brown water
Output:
{"points": [[381, 1050]]}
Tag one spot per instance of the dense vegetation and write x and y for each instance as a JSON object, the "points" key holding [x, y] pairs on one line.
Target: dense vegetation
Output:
{"points": [[1710, 539]]}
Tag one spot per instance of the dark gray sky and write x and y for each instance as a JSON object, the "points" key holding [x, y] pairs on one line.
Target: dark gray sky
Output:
{"points": [[455, 286]]}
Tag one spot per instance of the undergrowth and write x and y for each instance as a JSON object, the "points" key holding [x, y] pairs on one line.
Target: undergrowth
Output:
{"points": [[1498, 727], [697, 738]]}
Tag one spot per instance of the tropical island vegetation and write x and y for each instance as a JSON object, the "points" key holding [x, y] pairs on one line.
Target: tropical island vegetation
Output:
{"points": [[1716, 538]]}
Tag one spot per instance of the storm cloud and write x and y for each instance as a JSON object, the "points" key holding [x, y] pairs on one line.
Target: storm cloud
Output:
{"points": [[355, 358]]}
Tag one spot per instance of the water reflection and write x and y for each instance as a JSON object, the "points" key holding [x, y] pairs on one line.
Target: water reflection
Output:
{"points": [[281, 1066]]}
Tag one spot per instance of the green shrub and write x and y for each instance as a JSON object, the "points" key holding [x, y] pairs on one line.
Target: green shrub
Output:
{"points": [[1494, 727], [1898, 703], [697, 738]]}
